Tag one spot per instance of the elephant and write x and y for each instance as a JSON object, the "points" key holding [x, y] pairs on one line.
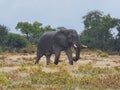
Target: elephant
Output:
{"points": [[53, 42]]}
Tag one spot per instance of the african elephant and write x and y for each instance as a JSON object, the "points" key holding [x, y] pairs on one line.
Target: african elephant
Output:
{"points": [[53, 42]]}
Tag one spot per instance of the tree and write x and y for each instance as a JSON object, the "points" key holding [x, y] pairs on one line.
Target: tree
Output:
{"points": [[117, 39], [33, 31], [25, 28], [97, 32], [3, 34], [118, 28], [38, 31], [16, 41]]}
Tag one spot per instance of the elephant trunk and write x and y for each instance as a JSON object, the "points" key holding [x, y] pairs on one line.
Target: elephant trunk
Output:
{"points": [[77, 50]]}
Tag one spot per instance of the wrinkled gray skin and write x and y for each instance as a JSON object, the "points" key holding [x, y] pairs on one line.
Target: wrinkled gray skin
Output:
{"points": [[53, 42]]}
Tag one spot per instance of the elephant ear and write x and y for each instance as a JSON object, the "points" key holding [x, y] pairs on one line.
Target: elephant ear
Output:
{"points": [[67, 33], [60, 38]]}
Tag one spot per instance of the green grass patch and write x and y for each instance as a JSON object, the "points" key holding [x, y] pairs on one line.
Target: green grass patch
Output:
{"points": [[61, 79], [4, 79], [101, 53], [90, 70], [108, 81]]}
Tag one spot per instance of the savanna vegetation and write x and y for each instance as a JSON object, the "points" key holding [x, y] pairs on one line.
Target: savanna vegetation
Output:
{"points": [[96, 70], [98, 31], [28, 39]]}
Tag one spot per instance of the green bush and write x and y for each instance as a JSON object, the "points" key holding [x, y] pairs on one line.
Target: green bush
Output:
{"points": [[16, 41], [101, 53], [4, 79], [1, 50], [29, 49]]}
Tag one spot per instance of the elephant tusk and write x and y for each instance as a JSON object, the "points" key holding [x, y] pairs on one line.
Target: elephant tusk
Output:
{"points": [[75, 45], [83, 46]]}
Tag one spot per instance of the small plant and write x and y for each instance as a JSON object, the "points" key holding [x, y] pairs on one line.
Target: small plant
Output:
{"points": [[52, 66], [29, 49], [21, 69], [62, 79], [89, 69], [117, 68], [104, 55], [4, 79], [85, 68], [2, 58], [101, 53]]}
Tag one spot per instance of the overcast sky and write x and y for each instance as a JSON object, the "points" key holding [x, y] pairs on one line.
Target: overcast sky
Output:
{"points": [[57, 13]]}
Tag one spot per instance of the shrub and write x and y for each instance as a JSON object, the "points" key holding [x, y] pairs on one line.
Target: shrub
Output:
{"points": [[1, 50], [101, 53], [4, 79], [16, 41], [29, 49]]}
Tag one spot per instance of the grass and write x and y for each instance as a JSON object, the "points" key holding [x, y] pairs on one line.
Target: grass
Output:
{"points": [[93, 78], [2, 57], [58, 79], [86, 77], [89, 69], [101, 53], [108, 81], [4, 79]]}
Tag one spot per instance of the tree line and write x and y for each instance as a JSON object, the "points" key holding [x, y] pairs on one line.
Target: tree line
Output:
{"points": [[98, 29], [97, 34], [24, 42]]}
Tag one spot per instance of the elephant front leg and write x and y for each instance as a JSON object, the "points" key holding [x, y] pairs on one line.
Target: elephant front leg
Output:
{"points": [[69, 54]]}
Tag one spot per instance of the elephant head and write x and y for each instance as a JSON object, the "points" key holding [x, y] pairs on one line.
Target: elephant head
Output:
{"points": [[71, 39]]}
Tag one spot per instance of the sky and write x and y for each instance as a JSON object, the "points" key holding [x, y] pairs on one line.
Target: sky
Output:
{"points": [[57, 13]]}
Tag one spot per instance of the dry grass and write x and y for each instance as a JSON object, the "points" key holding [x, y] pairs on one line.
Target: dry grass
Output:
{"points": [[95, 71]]}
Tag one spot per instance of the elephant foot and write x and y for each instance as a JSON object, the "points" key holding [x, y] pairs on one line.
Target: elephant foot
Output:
{"points": [[71, 63], [74, 59], [56, 62], [36, 62]]}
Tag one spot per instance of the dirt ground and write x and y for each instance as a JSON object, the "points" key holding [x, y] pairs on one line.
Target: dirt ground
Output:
{"points": [[12, 61]]}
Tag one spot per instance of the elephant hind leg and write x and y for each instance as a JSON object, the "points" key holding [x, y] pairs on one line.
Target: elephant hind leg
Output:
{"points": [[38, 58], [48, 59]]}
